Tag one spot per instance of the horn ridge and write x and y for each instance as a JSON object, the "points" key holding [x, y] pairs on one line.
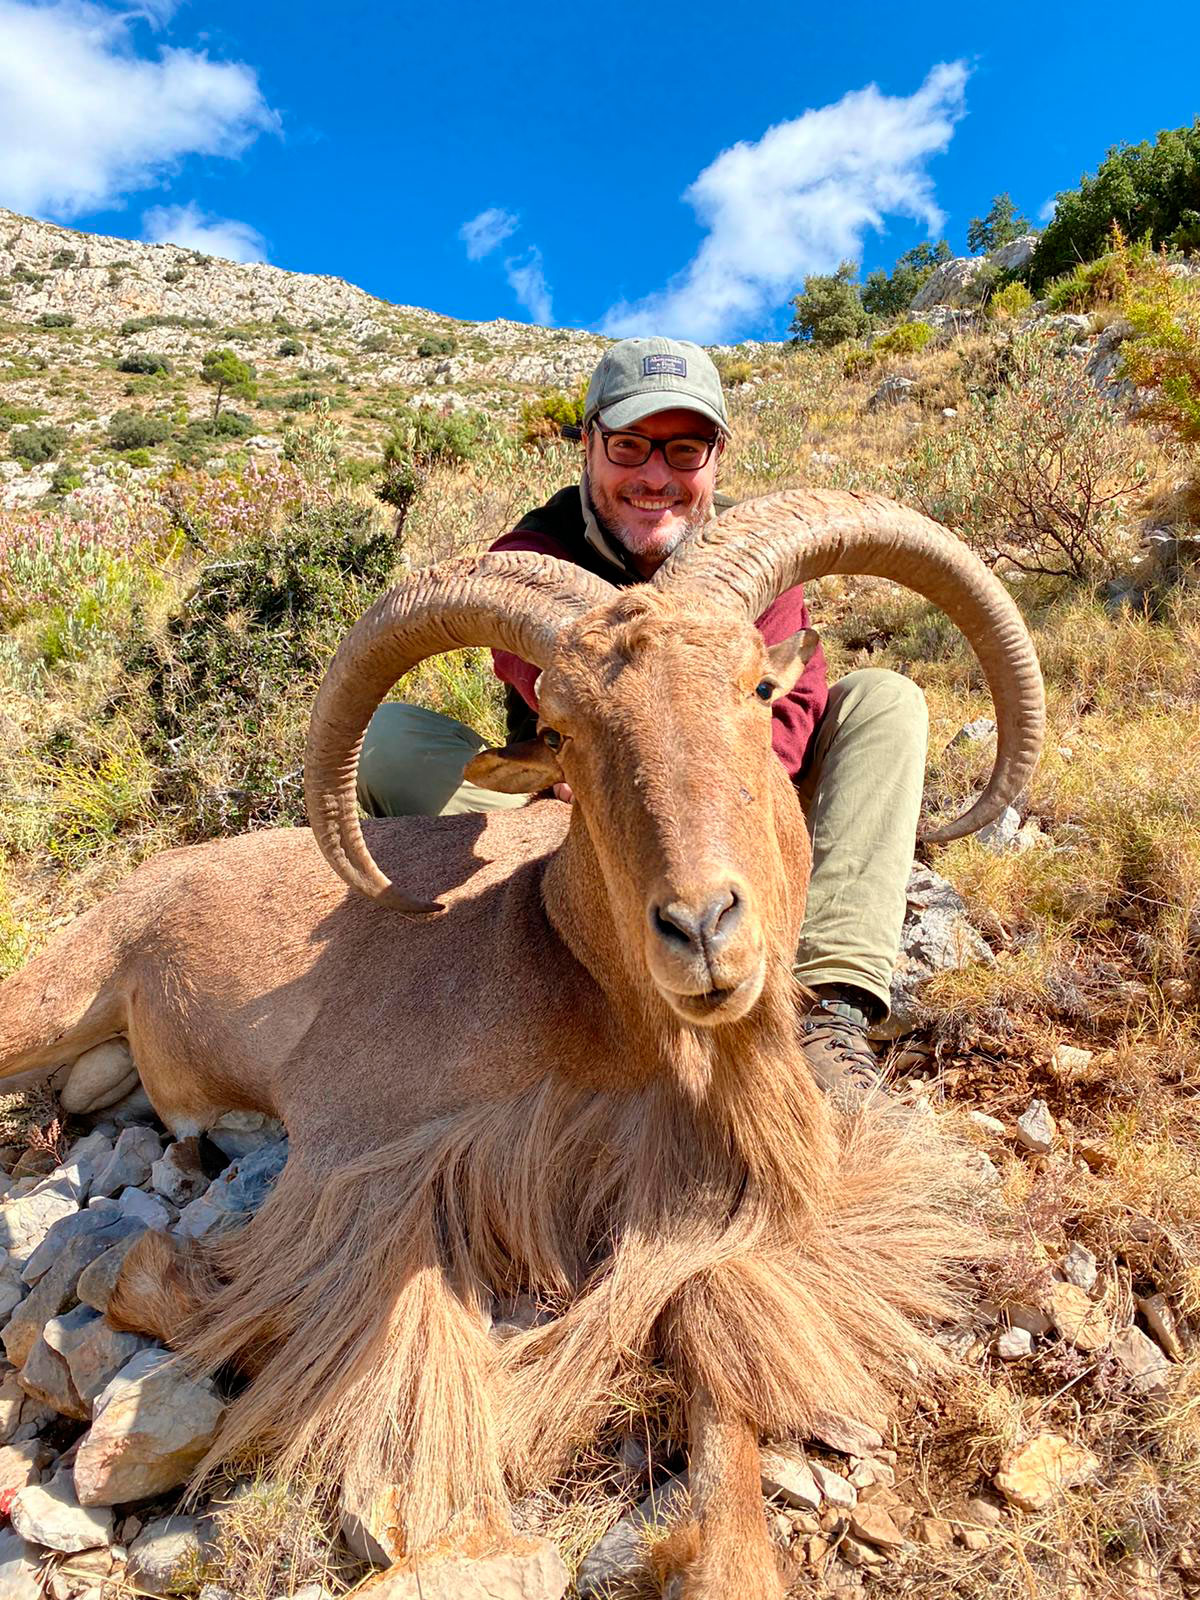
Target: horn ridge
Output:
{"points": [[754, 551], [514, 600]]}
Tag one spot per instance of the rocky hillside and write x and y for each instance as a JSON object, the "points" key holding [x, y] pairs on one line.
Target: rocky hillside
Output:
{"points": [[75, 306]]}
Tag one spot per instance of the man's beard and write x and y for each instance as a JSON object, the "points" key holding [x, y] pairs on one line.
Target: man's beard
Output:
{"points": [[608, 512]]}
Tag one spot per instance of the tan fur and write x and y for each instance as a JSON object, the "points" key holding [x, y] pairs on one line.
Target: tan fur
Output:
{"points": [[508, 1099]]}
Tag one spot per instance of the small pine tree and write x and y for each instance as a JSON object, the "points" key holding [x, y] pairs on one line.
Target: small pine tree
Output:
{"points": [[830, 309], [1001, 226], [227, 374], [889, 295]]}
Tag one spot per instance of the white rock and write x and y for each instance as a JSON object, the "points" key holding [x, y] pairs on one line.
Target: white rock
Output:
{"points": [[619, 1555], [160, 1550], [1079, 1267], [51, 1514], [1146, 1365], [837, 1490], [152, 1424], [1011, 257], [178, 1174], [18, 1569], [531, 1569], [937, 937], [26, 1221], [92, 1348], [786, 1476], [1000, 834], [1070, 1060], [136, 1151], [1014, 1344], [847, 1435], [12, 1290], [977, 732], [99, 1078], [149, 1209], [237, 1133], [988, 1124], [1156, 1309], [1035, 1127]]}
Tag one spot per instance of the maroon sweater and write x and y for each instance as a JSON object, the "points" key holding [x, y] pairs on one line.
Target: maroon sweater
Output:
{"points": [[558, 529]]}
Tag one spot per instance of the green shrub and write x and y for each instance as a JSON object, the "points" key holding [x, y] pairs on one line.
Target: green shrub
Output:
{"points": [[134, 430], [174, 275], [890, 295], [139, 458], [56, 319], [437, 344], [905, 339], [67, 476], [232, 425], [1110, 279], [830, 310], [63, 258], [230, 684], [734, 370], [1163, 353], [374, 343], [425, 437], [11, 414], [37, 444], [545, 415], [227, 374], [167, 320], [289, 347], [1037, 474], [22, 274], [292, 400], [1009, 303], [146, 361], [1147, 190], [858, 358]]}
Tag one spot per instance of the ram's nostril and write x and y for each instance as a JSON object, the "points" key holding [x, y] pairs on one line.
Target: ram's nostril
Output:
{"points": [[676, 924], [724, 915]]}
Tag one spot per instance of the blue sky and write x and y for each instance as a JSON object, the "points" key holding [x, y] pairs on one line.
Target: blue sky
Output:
{"points": [[624, 167]]}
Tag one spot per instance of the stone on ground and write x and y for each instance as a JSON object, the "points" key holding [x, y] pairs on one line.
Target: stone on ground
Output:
{"points": [[55, 1291], [21, 1464], [92, 1348], [620, 1556], [1014, 1344], [47, 1379], [1144, 1363], [1037, 1474], [937, 937], [874, 1524], [237, 1133], [239, 1190], [786, 1476], [846, 1435], [1160, 1319], [97, 1281], [1035, 1128], [1079, 1267], [163, 1547], [152, 1424], [1079, 1320], [51, 1514], [839, 1491], [25, 1221], [178, 1174], [136, 1151], [531, 1570], [18, 1569], [100, 1077]]}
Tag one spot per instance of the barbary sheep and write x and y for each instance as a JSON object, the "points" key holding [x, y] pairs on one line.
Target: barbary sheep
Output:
{"points": [[550, 1050]]}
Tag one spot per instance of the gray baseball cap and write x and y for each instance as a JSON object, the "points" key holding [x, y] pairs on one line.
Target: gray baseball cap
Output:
{"points": [[638, 377]]}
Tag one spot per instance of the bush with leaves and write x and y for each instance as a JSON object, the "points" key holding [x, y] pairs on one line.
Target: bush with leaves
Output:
{"points": [[230, 681], [437, 344], [289, 347], [890, 294], [1147, 189], [56, 319], [62, 258], [134, 430], [905, 339], [1009, 302], [830, 310], [37, 444], [545, 415], [144, 361], [1162, 355], [1037, 474], [1001, 226]]}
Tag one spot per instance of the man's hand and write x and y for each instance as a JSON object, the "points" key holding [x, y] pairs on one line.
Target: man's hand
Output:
{"points": [[562, 791]]}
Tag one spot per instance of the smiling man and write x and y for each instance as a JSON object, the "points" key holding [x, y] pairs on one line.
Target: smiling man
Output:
{"points": [[654, 430]]}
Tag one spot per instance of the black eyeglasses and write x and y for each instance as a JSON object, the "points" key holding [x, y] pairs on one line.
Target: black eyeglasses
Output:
{"points": [[634, 449]]}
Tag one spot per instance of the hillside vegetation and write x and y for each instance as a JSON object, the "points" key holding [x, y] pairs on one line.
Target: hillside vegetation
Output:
{"points": [[163, 639]]}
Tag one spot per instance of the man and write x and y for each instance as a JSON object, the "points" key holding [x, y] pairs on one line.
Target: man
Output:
{"points": [[654, 430]]}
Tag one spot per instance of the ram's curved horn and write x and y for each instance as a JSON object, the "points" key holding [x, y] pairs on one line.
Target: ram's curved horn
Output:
{"points": [[756, 550], [509, 600]]}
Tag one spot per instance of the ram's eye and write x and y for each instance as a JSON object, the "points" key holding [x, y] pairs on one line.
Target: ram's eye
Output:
{"points": [[765, 689], [552, 738]]}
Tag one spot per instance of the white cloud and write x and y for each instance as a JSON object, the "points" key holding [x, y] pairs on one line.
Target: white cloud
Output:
{"points": [[483, 233], [527, 279], [800, 200], [84, 119], [212, 236], [1047, 209]]}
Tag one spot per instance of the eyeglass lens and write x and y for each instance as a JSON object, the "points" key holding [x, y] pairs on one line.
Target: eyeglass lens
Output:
{"points": [[634, 450]]}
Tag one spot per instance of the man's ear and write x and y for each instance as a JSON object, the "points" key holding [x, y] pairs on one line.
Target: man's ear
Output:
{"points": [[526, 767], [788, 659]]}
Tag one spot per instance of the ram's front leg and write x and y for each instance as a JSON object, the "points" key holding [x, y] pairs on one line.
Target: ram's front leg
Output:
{"points": [[724, 1551]]}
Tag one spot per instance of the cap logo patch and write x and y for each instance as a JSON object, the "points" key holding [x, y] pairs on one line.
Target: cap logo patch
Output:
{"points": [[658, 366]]}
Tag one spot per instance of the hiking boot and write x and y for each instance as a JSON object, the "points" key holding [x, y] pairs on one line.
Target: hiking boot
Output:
{"points": [[839, 1054]]}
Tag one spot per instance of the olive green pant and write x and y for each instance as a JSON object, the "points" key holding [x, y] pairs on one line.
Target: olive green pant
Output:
{"points": [[861, 795]]}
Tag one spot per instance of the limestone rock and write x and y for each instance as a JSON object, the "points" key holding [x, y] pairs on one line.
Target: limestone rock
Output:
{"points": [[25, 1221], [160, 1550], [146, 1210], [178, 1174], [935, 1532], [93, 1350], [891, 392], [61, 1234], [97, 1281], [838, 1491], [238, 1133], [47, 1379], [12, 1290], [99, 1078], [1011, 257], [21, 1464], [620, 1555], [937, 937], [1014, 1344], [976, 732], [987, 1124], [51, 1514], [136, 1151], [873, 1523], [1035, 1128], [999, 834], [846, 1435], [84, 1160], [531, 1569], [1040, 1472], [239, 1190], [152, 1424], [1079, 1267], [1079, 1320], [951, 284], [55, 1291], [1160, 1319], [18, 1569], [17, 1409], [787, 1476], [1070, 1060], [1143, 1361], [1032, 1318]]}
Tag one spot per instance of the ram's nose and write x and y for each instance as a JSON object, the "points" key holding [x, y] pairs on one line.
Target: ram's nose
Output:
{"points": [[699, 928]]}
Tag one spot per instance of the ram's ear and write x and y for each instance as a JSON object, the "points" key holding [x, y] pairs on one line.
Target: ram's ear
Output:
{"points": [[526, 767], [788, 659]]}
